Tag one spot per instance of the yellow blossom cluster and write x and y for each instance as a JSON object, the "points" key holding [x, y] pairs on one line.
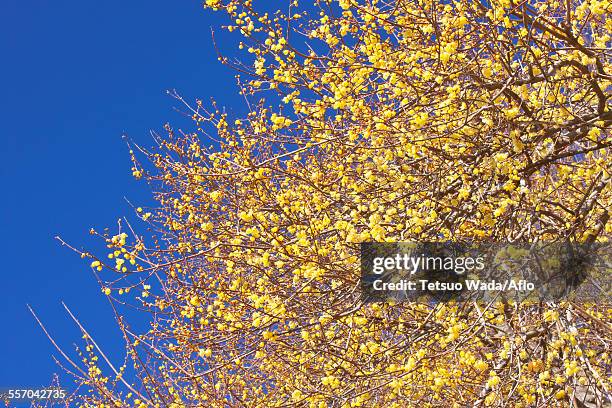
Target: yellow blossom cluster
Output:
{"points": [[397, 121]]}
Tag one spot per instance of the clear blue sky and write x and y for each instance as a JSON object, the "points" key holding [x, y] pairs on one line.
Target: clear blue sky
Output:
{"points": [[76, 75]]}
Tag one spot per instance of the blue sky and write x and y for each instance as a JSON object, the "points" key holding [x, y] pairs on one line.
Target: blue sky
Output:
{"points": [[76, 75]]}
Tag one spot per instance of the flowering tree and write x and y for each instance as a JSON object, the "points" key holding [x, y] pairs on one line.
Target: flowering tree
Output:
{"points": [[384, 121]]}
